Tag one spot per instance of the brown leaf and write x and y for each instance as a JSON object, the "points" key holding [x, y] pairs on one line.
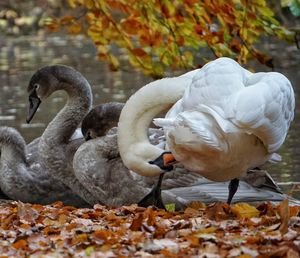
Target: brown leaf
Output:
{"points": [[139, 52], [266, 208], [80, 239], [27, 215], [294, 211], [291, 253], [218, 211], [284, 213], [20, 244], [101, 236], [131, 26], [197, 205], [272, 251], [137, 222]]}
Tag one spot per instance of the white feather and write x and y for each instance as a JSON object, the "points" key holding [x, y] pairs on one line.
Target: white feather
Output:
{"points": [[229, 120]]}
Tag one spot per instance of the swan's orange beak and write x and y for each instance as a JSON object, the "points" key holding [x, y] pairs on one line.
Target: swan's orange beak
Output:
{"points": [[168, 159], [165, 161]]}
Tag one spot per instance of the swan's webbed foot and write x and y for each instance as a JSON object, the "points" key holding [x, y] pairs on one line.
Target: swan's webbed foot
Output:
{"points": [[154, 197], [232, 187]]}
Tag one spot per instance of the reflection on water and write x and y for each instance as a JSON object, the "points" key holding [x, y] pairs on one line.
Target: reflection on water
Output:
{"points": [[20, 58]]}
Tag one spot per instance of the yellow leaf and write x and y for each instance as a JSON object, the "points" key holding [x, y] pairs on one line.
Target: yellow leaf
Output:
{"points": [[89, 250], [158, 70], [245, 256], [244, 210], [89, 4], [72, 3], [102, 49], [114, 63]]}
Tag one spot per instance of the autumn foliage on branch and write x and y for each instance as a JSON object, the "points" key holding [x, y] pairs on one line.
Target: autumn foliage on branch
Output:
{"points": [[158, 34]]}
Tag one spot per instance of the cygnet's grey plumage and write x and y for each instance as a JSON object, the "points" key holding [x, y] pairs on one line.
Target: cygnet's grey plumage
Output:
{"points": [[53, 145], [101, 119], [23, 176], [98, 166]]}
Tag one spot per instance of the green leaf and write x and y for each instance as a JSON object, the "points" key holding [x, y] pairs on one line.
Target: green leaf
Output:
{"points": [[170, 207], [88, 251]]}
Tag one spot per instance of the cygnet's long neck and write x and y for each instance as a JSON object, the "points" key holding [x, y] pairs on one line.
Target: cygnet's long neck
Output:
{"points": [[135, 149], [79, 102]]}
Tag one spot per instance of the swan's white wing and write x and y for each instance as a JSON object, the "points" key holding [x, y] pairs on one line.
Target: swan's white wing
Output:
{"points": [[264, 108], [214, 82], [186, 129]]}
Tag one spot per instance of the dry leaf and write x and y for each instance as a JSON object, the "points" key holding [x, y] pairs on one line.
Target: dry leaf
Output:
{"points": [[218, 211], [137, 222], [244, 210], [131, 231], [284, 213]]}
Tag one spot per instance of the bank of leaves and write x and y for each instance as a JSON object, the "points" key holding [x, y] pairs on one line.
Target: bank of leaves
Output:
{"points": [[216, 230]]}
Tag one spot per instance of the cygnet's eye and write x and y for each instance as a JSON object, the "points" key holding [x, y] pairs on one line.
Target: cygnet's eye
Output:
{"points": [[36, 86]]}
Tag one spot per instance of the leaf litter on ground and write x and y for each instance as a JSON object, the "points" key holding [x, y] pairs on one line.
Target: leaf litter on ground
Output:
{"points": [[215, 230]]}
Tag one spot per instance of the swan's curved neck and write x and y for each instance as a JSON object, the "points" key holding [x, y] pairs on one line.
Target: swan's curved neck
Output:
{"points": [[134, 146], [79, 102]]}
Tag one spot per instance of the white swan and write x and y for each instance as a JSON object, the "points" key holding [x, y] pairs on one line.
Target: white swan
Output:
{"points": [[98, 166], [53, 147], [23, 176], [227, 121]]}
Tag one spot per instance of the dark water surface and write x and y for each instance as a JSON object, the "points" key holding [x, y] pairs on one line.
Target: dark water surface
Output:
{"points": [[21, 57]]}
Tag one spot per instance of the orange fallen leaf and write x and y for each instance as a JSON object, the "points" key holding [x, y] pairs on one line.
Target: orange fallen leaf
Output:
{"points": [[294, 211], [137, 222], [20, 244], [197, 205]]}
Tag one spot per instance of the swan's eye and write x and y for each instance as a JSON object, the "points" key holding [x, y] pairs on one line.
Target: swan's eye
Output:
{"points": [[36, 86]]}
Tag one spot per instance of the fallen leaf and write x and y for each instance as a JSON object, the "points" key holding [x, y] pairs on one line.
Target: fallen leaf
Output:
{"points": [[20, 244], [137, 222], [170, 207], [284, 213], [218, 211], [244, 210]]}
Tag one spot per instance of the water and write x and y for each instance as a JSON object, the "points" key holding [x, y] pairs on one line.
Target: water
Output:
{"points": [[21, 57]]}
